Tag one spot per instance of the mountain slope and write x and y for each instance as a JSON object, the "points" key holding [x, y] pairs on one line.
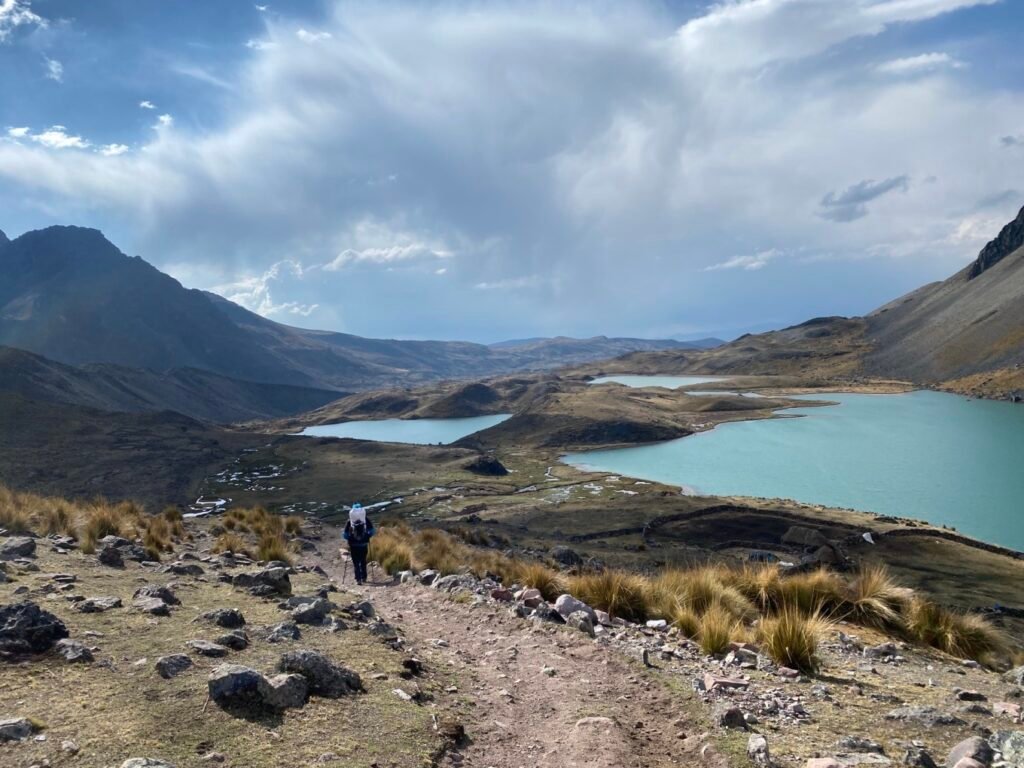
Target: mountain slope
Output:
{"points": [[970, 323], [69, 294], [189, 391]]}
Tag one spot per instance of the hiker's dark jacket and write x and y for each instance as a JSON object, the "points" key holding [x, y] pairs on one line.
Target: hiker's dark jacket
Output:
{"points": [[353, 540]]}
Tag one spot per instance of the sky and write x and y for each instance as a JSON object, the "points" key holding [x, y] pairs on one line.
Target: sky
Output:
{"points": [[496, 170]]}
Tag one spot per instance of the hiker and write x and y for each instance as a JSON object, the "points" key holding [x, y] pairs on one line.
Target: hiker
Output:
{"points": [[358, 531]]}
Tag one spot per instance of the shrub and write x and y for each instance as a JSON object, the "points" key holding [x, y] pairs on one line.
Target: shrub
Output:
{"points": [[875, 600], [791, 638], [293, 525], [619, 593], [819, 591], [391, 550]]}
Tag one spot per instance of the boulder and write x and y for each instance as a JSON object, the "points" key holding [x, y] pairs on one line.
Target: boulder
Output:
{"points": [[153, 590], [1010, 744], [286, 691], [236, 640], [486, 465], [97, 604], [731, 717], [582, 621], [15, 729], [17, 546], [27, 628], [918, 757], [362, 608], [531, 597], [183, 569], [229, 618], [454, 581], [566, 605], [545, 612], [233, 685], [154, 606], [110, 556], [929, 717], [427, 577], [326, 677], [286, 630], [206, 648], [173, 665], [74, 651], [565, 556], [311, 613], [974, 748], [971, 696], [502, 595], [757, 751], [275, 581]]}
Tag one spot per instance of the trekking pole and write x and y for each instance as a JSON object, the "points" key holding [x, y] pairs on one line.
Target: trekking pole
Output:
{"points": [[344, 570]]}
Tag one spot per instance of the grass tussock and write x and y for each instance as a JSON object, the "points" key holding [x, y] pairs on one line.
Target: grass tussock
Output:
{"points": [[966, 636], [716, 628], [791, 638], [541, 577], [231, 542], [621, 594], [876, 600]]}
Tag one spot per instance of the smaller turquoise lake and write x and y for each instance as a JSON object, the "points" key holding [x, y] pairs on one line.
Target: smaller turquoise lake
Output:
{"points": [[926, 455], [668, 382], [416, 431]]}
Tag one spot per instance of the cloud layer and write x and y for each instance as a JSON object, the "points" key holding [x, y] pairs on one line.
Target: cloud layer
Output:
{"points": [[602, 170]]}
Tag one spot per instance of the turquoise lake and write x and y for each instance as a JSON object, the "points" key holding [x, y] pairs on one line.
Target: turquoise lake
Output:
{"points": [[417, 431], [669, 382], [926, 455]]}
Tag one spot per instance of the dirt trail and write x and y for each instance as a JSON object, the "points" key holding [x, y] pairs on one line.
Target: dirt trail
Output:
{"points": [[597, 709]]}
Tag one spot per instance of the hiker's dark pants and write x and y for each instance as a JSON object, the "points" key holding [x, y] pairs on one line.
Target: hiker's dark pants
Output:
{"points": [[359, 561]]}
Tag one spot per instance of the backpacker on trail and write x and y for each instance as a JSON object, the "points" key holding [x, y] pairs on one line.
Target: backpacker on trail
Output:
{"points": [[358, 532]]}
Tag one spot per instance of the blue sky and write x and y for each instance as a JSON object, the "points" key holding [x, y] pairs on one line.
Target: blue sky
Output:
{"points": [[490, 170]]}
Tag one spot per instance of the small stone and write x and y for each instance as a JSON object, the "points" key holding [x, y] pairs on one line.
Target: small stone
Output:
{"points": [[325, 677], [859, 744], [566, 605], [974, 748], [236, 640], [287, 691], [16, 729], [502, 595], [17, 546], [74, 651], [311, 613], [929, 717], [286, 630], [97, 604], [971, 696], [70, 746], [229, 618], [110, 556], [145, 762], [918, 757], [206, 648], [173, 665], [757, 750], [582, 621], [154, 606], [713, 682]]}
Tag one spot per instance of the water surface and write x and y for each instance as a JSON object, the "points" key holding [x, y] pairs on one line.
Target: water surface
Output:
{"points": [[927, 455], [416, 431]]}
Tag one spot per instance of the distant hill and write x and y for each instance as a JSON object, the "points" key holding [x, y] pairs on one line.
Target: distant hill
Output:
{"points": [[969, 324], [189, 391], [965, 333], [70, 295]]}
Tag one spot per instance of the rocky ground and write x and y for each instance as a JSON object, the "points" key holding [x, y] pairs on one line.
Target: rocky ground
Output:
{"points": [[214, 659]]}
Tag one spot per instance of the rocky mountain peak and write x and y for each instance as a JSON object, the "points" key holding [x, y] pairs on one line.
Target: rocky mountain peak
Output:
{"points": [[1009, 239], [4, 239]]}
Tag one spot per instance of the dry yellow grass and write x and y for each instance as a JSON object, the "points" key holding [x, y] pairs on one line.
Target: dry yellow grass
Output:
{"points": [[791, 638]]}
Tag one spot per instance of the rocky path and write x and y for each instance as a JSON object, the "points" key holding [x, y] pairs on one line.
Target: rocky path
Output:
{"points": [[533, 695]]}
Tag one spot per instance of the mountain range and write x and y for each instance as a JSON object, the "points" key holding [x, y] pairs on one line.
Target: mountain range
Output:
{"points": [[117, 333]]}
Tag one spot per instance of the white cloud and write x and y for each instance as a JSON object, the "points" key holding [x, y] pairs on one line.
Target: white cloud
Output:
{"points": [[307, 36], [254, 293], [113, 150], [146, 104], [54, 70], [262, 8], [616, 155], [17, 13], [163, 121], [57, 137], [260, 45], [925, 62], [510, 283], [749, 263], [18, 133]]}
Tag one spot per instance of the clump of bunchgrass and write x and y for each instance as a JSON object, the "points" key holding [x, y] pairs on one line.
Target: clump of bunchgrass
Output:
{"points": [[874, 599], [619, 593], [231, 542], [541, 577], [717, 627], [791, 638]]}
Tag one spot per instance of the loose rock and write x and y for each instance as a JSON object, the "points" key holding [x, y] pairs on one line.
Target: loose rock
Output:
{"points": [[326, 678], [27, 628], [16, 729], [173, 665], [74, 651]]}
